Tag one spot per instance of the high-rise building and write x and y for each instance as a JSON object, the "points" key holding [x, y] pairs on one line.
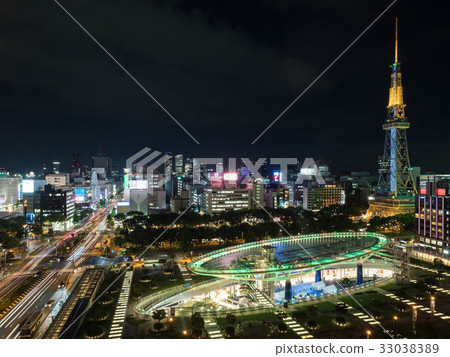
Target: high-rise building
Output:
{"points": [[219, 200], [317, 197], [103, 163], [432, 227], [177, 186], [156, 196], [277, 196], [77, 164], [59, 202], [258, 193], [9, 191], [56, 167], [396, 186], [57, 179], [179, 164], [188, 167]]}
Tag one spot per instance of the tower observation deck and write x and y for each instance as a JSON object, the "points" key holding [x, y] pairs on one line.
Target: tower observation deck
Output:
{"points": [[396, 187]]}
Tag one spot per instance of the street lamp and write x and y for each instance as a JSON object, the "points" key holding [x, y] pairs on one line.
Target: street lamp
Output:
{"points": [[414, 319], [432, 306], [395, 325], [368, 332]]}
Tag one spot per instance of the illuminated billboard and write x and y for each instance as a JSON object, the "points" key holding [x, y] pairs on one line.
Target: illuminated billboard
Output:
{"points": [[440, 191], [423, 191], [28, 186], [230, 176], [80, 195], [276, 176]]}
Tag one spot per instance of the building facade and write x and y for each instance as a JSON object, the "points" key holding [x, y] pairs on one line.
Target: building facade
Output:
{"points": [[317, 197], [219, 200], [432, 216]]}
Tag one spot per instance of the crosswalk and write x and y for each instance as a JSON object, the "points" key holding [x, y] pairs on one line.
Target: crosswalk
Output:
{"points": [[121, 309], [363, 316], [213, 329], [295, 326]]}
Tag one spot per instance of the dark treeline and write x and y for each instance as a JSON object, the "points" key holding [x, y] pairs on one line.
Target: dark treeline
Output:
{"points": [[11, 232], [250, 225]]}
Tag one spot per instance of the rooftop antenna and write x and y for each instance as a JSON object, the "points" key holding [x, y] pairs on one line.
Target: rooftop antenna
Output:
{"points": [[396, 39]]}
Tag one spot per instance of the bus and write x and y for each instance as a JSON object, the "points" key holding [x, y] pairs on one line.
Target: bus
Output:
{"points": [[31, 325]]}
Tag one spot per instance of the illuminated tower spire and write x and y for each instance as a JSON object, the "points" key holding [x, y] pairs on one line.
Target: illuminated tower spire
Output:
{"points": [[396, 178], [396, 40]]}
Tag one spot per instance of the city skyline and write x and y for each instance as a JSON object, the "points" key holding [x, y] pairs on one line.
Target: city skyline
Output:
{"points": [[274, 64], [215, 170]]}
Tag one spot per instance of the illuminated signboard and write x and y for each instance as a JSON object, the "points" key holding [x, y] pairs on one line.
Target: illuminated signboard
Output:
{"points": [[440, 191], [423, 191], [307, 171], [123, 203], [138, 184], [230, 176], [276, 176], [28, 186], [80, 195]]}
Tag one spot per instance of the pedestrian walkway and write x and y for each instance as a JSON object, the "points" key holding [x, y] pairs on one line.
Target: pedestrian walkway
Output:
{"points": [[185, 273], [363, 316], [297, 328], [419, 307], [260, 298], [213, 329], [437, 288], [428, 269], [121, 308]]}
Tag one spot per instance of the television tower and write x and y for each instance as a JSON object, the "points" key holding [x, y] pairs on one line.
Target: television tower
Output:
{"points": [[396, 185]]}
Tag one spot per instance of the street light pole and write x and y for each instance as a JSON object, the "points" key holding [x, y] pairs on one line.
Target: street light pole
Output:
{"points": [[395, 326], [414, 319], [368, 334], [432, 307]]}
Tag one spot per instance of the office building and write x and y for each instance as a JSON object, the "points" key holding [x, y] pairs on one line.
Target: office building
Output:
{"points": [[9, 192], [317, 197], [57, 179], [102, 165], [219, 200], [179, 164], [432, 216]]}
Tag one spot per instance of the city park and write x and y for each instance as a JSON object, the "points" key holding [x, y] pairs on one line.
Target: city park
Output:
{"points": [[337, 285]]}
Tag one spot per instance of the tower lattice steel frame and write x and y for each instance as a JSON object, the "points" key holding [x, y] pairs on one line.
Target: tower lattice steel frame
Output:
{"points": [[396, 179]]}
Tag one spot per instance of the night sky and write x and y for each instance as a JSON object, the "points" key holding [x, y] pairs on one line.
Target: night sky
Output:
{"points": [[225, 70]]}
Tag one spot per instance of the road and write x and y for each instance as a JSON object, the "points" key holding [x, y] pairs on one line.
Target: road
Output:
{"points": [[48, 284]]}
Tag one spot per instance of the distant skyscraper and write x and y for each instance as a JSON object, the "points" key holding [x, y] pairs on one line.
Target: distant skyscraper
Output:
{"points": [[77, 164], [102, 162], [179, 164], [168, 172], [188, 167], [396, 185], [56, 167]]}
